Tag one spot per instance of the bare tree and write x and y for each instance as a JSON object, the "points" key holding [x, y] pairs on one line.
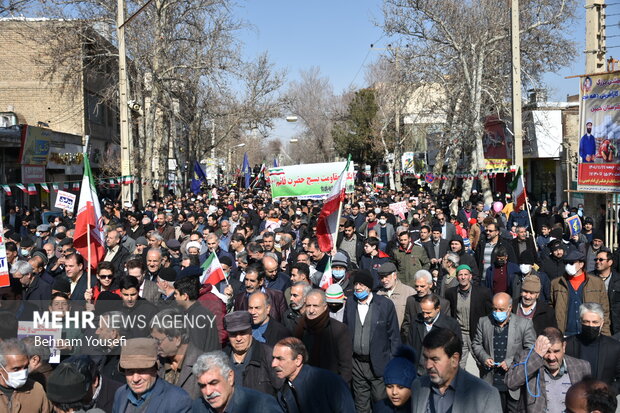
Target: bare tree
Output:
{"points": [[465, 48]]}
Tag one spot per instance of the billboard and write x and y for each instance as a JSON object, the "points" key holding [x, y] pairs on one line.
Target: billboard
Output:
{"points": [[313, 180], [35, 145], [599, 122]]}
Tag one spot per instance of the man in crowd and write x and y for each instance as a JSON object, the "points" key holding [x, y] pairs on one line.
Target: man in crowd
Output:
{"points": [[264, 329], [410, 258], [17, 389], [550, 371], [394, 289], [604, 264], [530, 305]]}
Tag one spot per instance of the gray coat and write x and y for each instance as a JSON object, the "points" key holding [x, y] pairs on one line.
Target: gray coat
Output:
{"points": [[515, 378], [472, 394], [521, 336]]}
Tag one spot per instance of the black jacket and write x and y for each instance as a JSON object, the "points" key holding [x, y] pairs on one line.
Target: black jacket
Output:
{"points": [[544, 315], [258, 373], [608, 366], [512, 257], [275, 332], [118, 261], [552, 266], [481, 305], [105, 399], [207, 337], [418, 332], [613, 292]]}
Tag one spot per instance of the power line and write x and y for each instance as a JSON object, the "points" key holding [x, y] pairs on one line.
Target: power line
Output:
{"points": [[364, 61]]}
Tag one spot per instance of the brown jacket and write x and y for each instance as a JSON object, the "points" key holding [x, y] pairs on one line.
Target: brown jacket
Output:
{"points": [[593, 292], [399, 298], [474, 236], [30, 398]]}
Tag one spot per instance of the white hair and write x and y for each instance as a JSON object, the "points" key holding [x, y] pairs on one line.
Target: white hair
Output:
{"points": [[423, 274]]}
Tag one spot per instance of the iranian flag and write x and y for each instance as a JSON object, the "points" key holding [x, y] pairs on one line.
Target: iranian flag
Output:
{"points": [[327, 224], [212, 270], [7, 189], [518, 190], [89, 221], [32, 190], [327, 279]]}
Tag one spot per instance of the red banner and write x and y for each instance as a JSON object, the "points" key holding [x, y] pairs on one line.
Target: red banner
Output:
{"points": [[599, 175]]}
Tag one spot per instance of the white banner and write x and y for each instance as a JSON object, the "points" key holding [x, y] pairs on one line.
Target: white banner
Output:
{"points": [[65, 200]]}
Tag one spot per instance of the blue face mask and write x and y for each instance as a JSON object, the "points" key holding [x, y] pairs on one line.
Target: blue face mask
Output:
{"points": [[338, 274], [500, 316], [362, 295]]}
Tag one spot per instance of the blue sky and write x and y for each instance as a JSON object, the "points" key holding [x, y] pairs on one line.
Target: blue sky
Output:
{"points": [[336, 36]]}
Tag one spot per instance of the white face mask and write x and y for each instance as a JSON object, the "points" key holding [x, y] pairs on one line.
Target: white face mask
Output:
{"points": [[383, 221], [16, 379], [377, 210], [525, 268], [571, 269]]}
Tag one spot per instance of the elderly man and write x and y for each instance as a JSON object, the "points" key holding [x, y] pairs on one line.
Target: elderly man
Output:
{"points": [[176, 353], [573, 289], [549, 367], [423, 284], [307, 388], [499, 338], [220, 393], [115, 252], [604, 264], [154, 263], [250, 359], [328, 341], [145, 391], [602, 352], [374, 328], [531, 306], [394, 289], [264, 329], [255, 281], [297, 305], [18, 389], [36, 290], [274, 278]]}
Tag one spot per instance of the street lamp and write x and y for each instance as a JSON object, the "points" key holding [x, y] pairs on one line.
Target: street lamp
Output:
{"points": [[230, 151]]}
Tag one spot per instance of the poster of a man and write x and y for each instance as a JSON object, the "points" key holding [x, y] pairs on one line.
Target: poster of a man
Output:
{"points": [[587, 85], [587, 145]]}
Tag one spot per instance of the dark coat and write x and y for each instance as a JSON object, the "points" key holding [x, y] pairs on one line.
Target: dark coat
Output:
{"points": [[243, 400], [552, 266], [608, 367], [118, 261], [278, 304], [205, 335], [80, 287], [418, 332], [481, 305], [412, 309], [164, 398], [512, 257], [275, 332], [613, 292], [258, 373], [186, 379], [318, 391], [444, 247], [384, 336], [512, 271], [144, 312], [529, 246], [39, 292], [280, 283], [544, 315], [329, 344], [105, 400]]}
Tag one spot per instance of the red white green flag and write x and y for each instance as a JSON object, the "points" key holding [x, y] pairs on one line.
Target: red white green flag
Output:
{"points": [[212, 270], [45, 187], [32, 190], [7, 189], [327, 279], [89, 220], [22, 187], [327, 224], [517, 187]]}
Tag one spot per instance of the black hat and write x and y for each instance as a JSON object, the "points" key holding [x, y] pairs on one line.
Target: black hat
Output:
{"points": [[173, 244], [556, 233], [596, 235], [237, 321], [363, 277], [556, 244], [66, 241], [62, 284], [575, 255], [386, 269], [225, 259], [60, 235], [66, 384], [167, 274], [526, 257]]}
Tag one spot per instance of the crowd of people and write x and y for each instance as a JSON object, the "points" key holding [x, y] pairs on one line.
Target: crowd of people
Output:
{"points": [[452, 306]]}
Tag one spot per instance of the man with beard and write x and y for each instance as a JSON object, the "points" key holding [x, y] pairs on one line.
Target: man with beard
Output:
{"points": [[611, 279], [328, 341], [297, 305], [531, 306], [446, 386], [164, 229]]}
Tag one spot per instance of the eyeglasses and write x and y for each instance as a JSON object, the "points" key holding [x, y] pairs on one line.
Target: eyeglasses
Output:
{"points": [[106, 277], [601, 259]]}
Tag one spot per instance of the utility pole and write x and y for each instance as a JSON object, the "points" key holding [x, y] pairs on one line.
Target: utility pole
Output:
{"points": [[123, 90], [123, 93], [516, 84], [595, 36]]}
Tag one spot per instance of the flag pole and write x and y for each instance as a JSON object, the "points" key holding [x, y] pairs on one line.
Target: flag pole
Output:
{"points": [[529, 214], [86, 141], [335, 234]]}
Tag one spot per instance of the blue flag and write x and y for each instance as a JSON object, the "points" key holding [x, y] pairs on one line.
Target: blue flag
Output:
{"points": [[247, 170], [574, 223], [197, 178], [275, 162]]}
